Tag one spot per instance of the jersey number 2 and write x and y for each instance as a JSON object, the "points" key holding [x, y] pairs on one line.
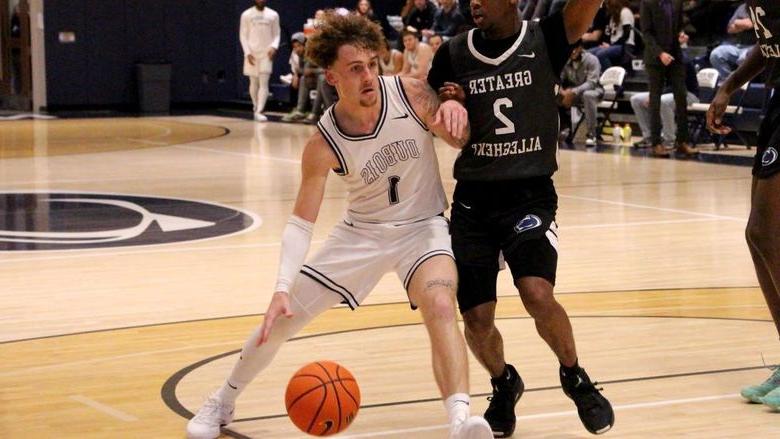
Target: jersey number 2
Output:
{"points": [[509, 126], [756, 14], [392, 192]]}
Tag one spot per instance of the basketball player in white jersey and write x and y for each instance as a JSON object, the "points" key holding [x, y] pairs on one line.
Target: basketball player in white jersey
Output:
{"points": [[259, 34], [378, 138]]}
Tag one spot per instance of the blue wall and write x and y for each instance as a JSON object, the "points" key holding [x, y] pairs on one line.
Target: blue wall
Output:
{"points": [[198, 37]]}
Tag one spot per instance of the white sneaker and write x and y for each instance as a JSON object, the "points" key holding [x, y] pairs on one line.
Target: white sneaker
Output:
{"points": [[260, 117], [207, 422], [475, 427]]}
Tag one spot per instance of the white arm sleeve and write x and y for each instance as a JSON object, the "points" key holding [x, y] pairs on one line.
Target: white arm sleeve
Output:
{"points": [[296, 239], [276, 33], [243, 33]]}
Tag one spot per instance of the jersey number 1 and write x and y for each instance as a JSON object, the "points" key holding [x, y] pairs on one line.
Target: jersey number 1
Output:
{"points": [[509, 126], [392, 191]]}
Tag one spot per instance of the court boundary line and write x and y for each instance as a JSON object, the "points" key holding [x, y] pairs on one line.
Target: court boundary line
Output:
{"points": [[152, 121], [168, 390], [564, 413], [372, 305]]}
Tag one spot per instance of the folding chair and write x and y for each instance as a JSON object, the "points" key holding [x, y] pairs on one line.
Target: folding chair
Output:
{"points": [[612, 82], [732, 112], [708, 85]]}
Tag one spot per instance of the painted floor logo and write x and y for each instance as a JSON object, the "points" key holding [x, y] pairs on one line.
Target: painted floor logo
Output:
{"points": [[83, 220]]}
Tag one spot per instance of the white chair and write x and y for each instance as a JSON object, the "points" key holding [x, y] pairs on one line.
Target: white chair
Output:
{"points": [[708, 85], [612, 82]]}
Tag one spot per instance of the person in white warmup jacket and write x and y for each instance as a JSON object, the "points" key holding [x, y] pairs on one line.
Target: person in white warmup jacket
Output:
{"points": [[259, 34]]}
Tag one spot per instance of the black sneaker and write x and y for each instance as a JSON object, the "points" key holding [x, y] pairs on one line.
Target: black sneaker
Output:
{"points": [[595, 411], [507, 390]]}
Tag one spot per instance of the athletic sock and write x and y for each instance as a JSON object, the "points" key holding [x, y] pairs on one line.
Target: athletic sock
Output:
{"points": [[457, 406]]}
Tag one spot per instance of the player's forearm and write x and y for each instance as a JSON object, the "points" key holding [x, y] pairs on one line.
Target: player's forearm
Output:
{"points": [[578, 15], [739, 25], [296, 240], [753, 65]]}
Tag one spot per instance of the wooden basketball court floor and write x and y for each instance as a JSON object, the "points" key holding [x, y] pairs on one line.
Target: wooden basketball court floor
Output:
{"points": [[125, 342]]}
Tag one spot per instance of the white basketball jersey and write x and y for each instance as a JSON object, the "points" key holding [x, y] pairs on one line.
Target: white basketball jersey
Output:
{"points": [[392, 174]]}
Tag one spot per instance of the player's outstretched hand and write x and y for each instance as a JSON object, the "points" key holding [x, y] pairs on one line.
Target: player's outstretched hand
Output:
{"points": [[279, 306], [715, 114], [454, 117]]}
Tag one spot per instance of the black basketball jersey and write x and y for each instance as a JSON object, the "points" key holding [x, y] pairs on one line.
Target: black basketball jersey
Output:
{"points": [[765, 15], [512, 108]]}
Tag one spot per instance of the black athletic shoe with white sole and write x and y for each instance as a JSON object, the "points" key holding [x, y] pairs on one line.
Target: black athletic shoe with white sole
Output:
{"points": [[507, 390], [594, 409]]}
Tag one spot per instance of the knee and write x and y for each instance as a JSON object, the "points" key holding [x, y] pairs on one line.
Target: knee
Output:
{"points": [[716, 56], [757, 236], [537, 301], [442, 306], [761, 237], [478, 326], [636, 101]]}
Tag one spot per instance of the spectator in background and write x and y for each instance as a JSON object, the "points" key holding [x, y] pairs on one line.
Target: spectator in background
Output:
{"points": [[259, 35], [364, 8], [417, 55], [16, 25], [435, 42], [307, 79], [297, 59], [391, 61], [421, 15], [640, 102], [621, 35], [580, 86], [407, 9], [447, 21], [729, 55], [597, 31], [662, 24]]}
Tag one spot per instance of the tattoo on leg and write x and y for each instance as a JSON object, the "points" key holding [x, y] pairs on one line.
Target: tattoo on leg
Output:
{"points": [[440, 283]]}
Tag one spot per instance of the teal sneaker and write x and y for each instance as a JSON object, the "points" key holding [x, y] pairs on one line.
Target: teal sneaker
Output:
{"points": [[772, 399], [756, 393]]}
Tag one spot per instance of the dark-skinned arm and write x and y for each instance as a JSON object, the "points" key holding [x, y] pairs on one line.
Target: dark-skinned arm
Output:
{"points": [[578, 15], [754, 64]]}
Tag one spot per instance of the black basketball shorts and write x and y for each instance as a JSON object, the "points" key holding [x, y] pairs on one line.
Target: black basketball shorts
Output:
{"points": [[767, 161], [516, 218]]}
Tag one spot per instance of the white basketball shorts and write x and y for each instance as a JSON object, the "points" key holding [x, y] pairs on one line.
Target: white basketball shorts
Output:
{"points": [[356, 255]]}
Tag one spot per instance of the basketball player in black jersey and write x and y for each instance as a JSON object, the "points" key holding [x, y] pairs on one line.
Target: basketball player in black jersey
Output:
{"points": [[763, 229], [505, 72]]}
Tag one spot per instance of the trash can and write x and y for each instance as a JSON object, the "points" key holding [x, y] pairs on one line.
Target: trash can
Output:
{"points": [[154, 88]]}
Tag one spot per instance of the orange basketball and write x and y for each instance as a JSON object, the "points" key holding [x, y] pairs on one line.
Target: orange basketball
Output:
{"points": [[322, 398]]}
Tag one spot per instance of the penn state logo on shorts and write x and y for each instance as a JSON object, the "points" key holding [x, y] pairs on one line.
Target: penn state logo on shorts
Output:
{"points": [[769, 157], [82, 220], [527, 223]]}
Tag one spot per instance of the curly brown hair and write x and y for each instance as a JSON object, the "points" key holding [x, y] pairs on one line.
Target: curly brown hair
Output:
{"points": [[337, 30]]}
